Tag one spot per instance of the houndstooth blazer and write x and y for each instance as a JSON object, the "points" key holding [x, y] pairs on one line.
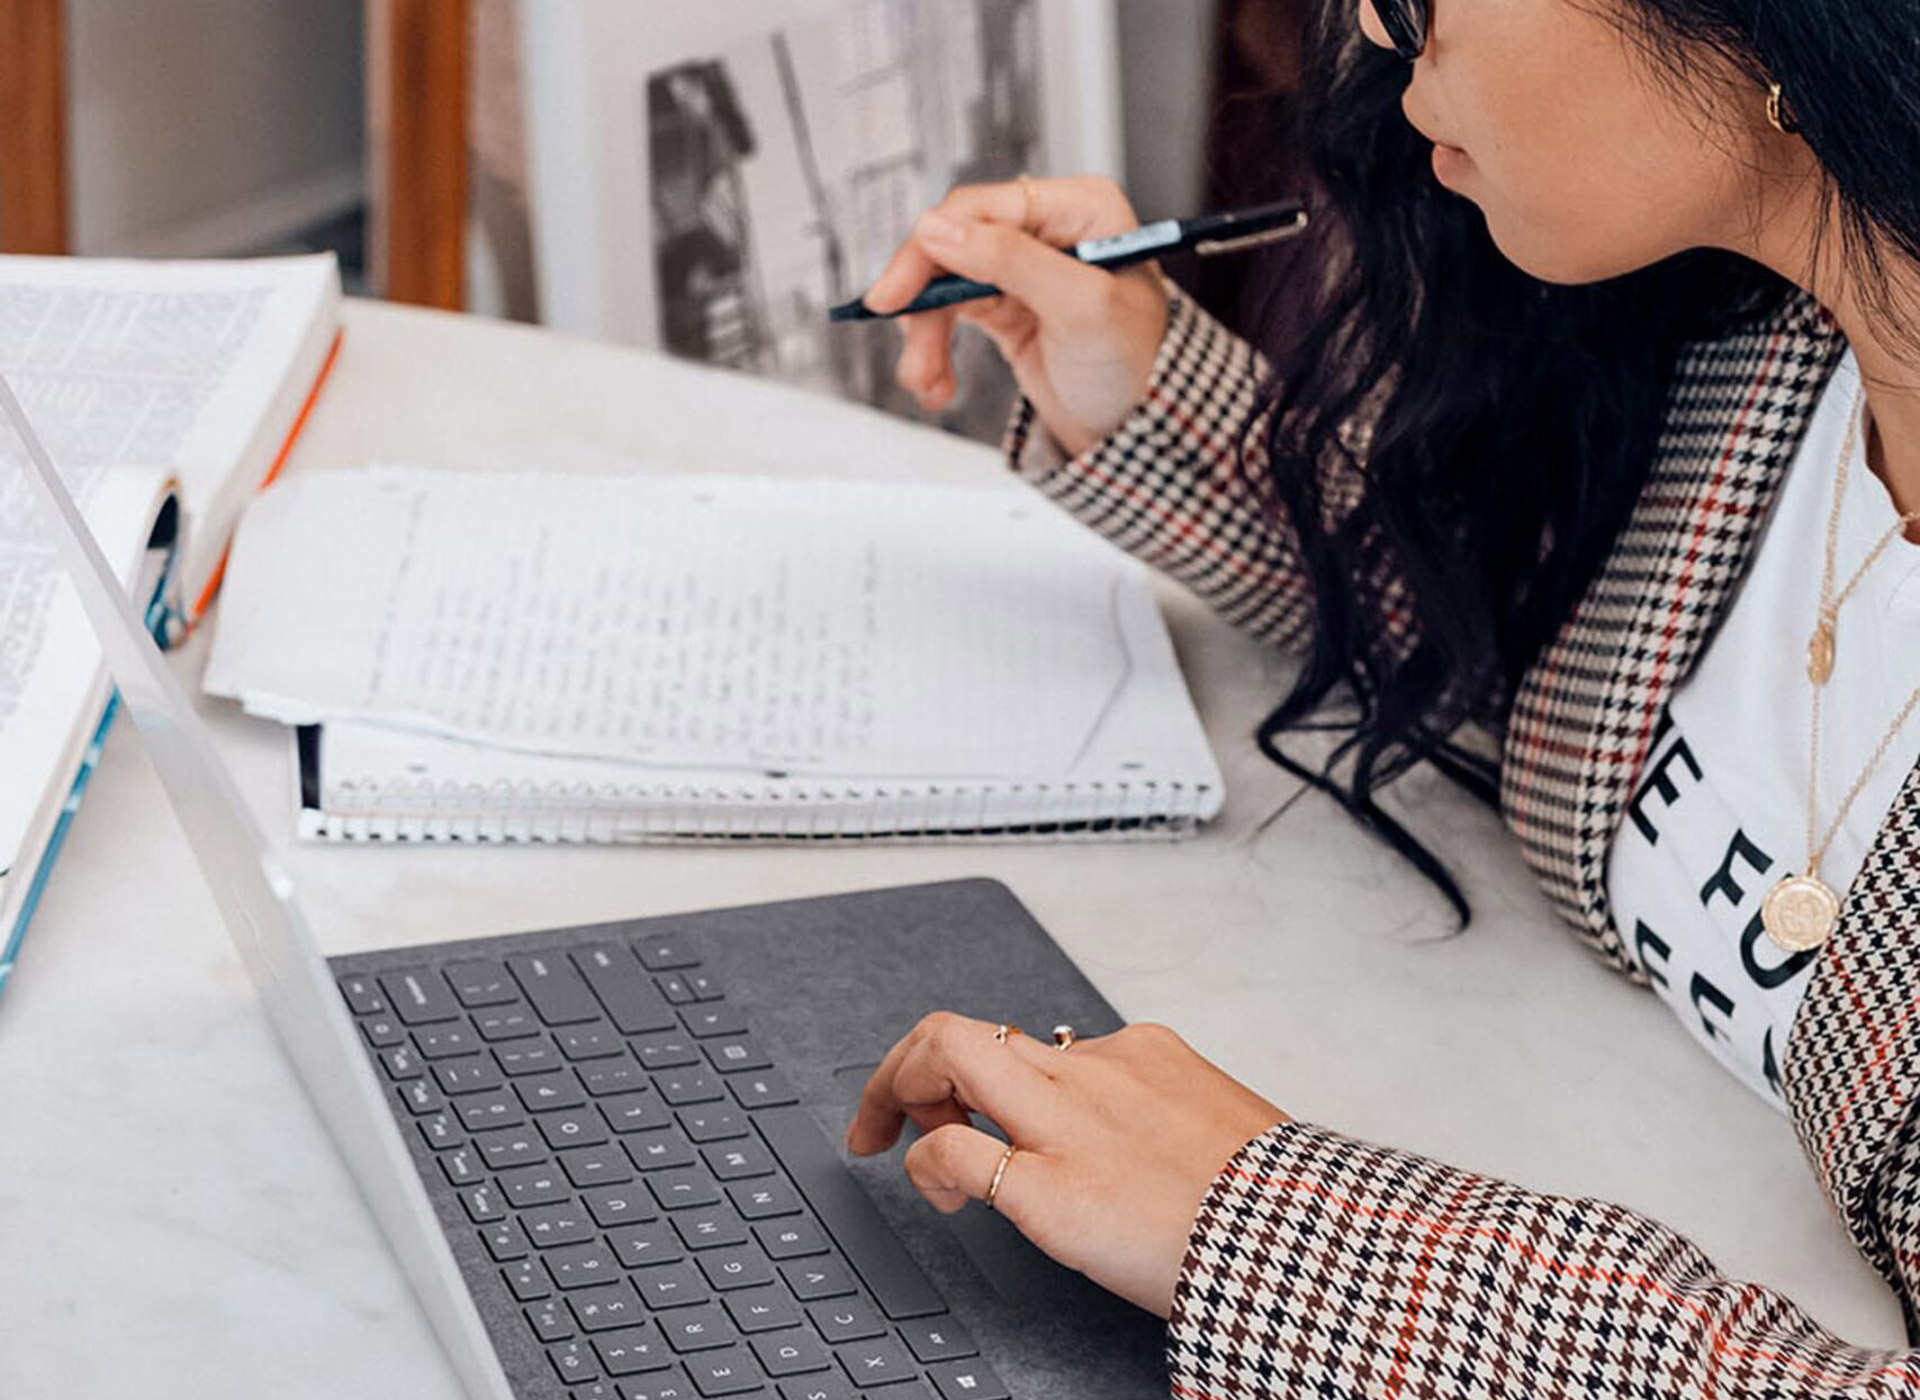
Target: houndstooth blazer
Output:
{"points": [[1323, 1266]]}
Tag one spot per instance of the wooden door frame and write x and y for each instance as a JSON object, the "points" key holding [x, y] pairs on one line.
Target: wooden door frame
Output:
{"points": [[34, 186]]}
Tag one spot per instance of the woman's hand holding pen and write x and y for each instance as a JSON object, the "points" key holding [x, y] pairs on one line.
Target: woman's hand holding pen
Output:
{"points": [[1081, 342], [1118, 1139]]}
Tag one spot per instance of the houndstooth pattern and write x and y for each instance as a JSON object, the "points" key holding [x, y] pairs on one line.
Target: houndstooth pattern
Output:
{"points": [[1324, 1266]]}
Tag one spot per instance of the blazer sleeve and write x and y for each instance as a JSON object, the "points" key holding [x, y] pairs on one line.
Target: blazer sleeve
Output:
{"points": [[1172, 487], [1324, 1266]]}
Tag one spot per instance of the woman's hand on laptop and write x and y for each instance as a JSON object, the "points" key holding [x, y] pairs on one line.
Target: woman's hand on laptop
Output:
{"points": [[1081, 342], [1119, 1138]]}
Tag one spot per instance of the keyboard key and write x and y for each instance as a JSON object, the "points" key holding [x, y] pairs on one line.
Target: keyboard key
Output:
{"points": [[738, 1161], [820, 1388], [877, 1362], [631, 999], [671, 1286], [596, 1166], [551, 1226], [518, 1057], [481, 983], [550, 1320], [444, 1042], [667, 1052], [440, 1131], [511, 1147], [553, 986], [735, 1054], [577, 1127], [791, 1353], [848, 1320], [729, 1372], [505, 1023], [419, 997], [818, 1278], [768, 1089], [604, 1308], [762, 1309], [581, 1266], [938, 1339], [462, 1166], [602, 1077], [717, 1018], [383, 1031], [967, 1380], [480, 1112], [664, 954], [641, 1246], [634, 1113], [472, 1074], [526, 1280], [401, 1063], [589, 1042], [534, 1186], [675, 989], [701, 1328], [364, 998], [848, 1214], [574, 1361], [680, 1087], [763, 1200], [631, 1351], [540, 1092], [705, 986], [482, 1204], [709, 1227], [791, 1239], [620, 1205], [682, 1189], [505, 1240], [666, 1385], [421, 1096], [599, 1390], [714, 1124], [737, 1267], [661, 1148]]}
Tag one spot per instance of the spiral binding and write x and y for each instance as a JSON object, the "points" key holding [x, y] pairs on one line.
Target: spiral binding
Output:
{"points": [[762, 813]]}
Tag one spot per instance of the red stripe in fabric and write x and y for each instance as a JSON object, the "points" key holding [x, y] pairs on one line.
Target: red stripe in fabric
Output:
{"points": [[1717, 1337], [1186, 529]]}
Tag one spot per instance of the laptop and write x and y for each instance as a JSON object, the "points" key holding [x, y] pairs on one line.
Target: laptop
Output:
{"points": [[608, 1157]]}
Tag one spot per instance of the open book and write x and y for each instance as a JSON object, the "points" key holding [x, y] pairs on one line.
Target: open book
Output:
{"points": [[166, 393], [651, 657]]}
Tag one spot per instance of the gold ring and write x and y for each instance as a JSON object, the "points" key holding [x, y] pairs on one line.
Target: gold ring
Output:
{"points": [[993, 1187], [1063, 1037], [1026, 191], [1003, 1032]]}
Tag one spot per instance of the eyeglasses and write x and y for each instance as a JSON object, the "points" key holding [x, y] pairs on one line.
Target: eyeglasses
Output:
{"points": [[1406, 24]]}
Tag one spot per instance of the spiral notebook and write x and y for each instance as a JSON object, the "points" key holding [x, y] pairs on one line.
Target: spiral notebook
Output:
{"points": [[658, 657]]}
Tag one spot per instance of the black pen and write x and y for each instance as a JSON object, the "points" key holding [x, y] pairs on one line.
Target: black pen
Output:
{"points": [[1207, 235]]}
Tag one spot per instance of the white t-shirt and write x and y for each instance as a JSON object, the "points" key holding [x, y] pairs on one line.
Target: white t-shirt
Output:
{"points": [[1720, 808]]}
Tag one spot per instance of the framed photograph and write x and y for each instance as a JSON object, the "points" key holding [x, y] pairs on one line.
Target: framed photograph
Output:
{"points": [[708, 177]]}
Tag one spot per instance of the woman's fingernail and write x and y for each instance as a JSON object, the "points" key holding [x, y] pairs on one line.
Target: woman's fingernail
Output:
{"points": [[938, 229]]}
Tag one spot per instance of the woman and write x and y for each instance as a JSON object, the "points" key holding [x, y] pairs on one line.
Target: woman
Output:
{"points": [[1603, 425]]}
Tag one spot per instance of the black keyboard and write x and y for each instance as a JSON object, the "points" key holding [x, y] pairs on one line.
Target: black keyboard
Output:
{"points": [[651, 1208]]}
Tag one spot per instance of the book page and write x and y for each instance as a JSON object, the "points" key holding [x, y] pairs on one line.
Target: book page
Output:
{"points": [[795, 627]]}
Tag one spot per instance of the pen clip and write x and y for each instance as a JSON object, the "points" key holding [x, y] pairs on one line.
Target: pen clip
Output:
{"points": [[1210, 247]]}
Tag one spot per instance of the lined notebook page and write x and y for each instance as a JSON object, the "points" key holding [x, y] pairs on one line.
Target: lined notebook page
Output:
{"points": [[800, 627]]}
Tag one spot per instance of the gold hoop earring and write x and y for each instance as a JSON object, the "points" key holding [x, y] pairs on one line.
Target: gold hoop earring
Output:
{"points": [[1778, 115]]}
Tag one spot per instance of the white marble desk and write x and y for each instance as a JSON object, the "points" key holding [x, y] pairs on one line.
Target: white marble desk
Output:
{"points": [[173, 1223]]}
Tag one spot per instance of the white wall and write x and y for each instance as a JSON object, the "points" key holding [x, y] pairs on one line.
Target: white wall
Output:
{"points": [[1166, 52], [205, 127]]}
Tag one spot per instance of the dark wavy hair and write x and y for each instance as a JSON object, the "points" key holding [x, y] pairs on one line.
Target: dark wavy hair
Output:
{"points": [[1515, 421]]}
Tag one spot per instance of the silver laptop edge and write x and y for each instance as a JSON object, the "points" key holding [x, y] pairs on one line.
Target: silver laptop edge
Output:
{"points": [[256, 900]]}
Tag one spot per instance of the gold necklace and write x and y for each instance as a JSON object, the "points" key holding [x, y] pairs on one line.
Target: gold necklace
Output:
{"points": [[1802, 911]]}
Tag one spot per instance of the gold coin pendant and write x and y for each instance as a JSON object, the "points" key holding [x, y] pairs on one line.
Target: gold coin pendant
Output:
{"points": [[1801, 913]]}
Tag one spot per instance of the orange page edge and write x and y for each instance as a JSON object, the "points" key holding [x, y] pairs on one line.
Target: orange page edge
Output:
{"points": [[205, 600]]}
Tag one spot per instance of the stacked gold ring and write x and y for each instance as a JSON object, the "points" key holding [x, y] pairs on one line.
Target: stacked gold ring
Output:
{"points": [[999, 1174]]}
